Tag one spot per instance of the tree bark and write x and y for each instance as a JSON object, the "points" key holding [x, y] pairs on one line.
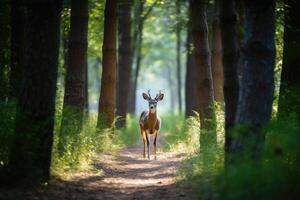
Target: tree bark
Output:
{"points": [[17, 47], [107, 99], [289, 98], [228, 22], [202, 60], [31, 149], [191, 80], [178, 55], [205, 87], [75, 86], [257, 84], [125, 59], [216, 58]]}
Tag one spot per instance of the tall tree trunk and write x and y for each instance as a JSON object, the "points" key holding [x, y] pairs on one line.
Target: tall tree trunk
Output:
{"points": [[203, 62], [65, 20], [17, 47], [75, 86], [139, 58], [257, 84], [216, 57], [4, 49], [138, 29], [31, 149], [86, 90], [125, 59], [138, 42], [239, 5], [289, 98], [107, 99], [178, 55], [228, 22], [191, 80]]}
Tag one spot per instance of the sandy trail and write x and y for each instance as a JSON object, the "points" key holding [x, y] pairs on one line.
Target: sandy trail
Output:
{"points": [[126, 176]]}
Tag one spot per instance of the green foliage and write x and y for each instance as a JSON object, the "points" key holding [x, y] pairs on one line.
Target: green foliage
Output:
{"points": [[181, 135], [276, 178], [131, 134], [279, 174], [7, 127], [279, 31], [95, 27], [81, 149]]}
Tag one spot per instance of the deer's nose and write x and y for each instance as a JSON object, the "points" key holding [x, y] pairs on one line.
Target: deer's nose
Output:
{"points": [[151, 107]]}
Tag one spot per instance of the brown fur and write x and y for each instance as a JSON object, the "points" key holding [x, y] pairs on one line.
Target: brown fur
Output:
{"points": [[149, 122]]}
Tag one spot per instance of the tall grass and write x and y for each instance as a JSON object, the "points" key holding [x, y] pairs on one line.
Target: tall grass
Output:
{"points": [[80, 154], [278, 177], [131, 134], [82, 149]]}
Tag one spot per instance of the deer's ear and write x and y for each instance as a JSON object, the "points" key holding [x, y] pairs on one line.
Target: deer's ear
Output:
{"points": [[145, 96], [160, 97]]}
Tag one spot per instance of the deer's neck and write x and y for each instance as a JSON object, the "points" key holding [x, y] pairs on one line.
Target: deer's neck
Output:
{"points": [[152, 118]]}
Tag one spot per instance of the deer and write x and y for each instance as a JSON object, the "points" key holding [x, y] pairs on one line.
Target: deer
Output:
{"points": [[150, 121]]}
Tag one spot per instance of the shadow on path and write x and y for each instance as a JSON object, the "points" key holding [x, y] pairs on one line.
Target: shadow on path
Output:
{"points": [[126, 176]]}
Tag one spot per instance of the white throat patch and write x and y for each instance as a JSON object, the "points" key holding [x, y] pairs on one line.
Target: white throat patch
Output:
{"points": [[152, 110]]}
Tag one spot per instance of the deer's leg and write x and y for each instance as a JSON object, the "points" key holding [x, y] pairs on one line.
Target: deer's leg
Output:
{"points": [[143, 133], [148, 145], [154, 143]]}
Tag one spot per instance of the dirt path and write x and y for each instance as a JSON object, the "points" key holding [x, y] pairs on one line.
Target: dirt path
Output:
{"points": [[126, 176]]}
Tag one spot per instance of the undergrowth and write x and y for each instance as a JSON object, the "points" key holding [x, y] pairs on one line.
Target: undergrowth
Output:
{"points": [[278, 177], [89, 145]]}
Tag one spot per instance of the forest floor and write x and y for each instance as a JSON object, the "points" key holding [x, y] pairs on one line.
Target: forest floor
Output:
{"points": [[125, 175]]}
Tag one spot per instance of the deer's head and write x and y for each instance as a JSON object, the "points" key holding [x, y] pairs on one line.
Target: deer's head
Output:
{"points": [[153, 102]]}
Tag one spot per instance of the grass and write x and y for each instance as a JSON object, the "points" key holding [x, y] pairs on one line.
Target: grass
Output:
{"points": [[131, 134], [277, 178], [90, 143]]}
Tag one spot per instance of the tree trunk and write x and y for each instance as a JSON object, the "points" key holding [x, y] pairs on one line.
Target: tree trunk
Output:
{"points": [[4, 49], [178, 55], [75, 86], [257, 84], [191, 80], [216, 60], [205, 87], [125, 59], [138, 42], [138, 66], [65, 20], [107, 99], [240, 9], [17, 47], [31, 149], [289, 98], [228, 22], [138, 29]]}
